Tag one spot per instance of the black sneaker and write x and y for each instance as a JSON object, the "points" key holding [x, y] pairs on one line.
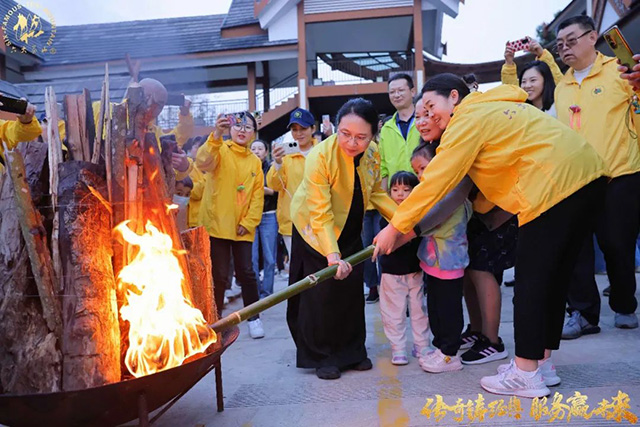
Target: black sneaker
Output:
{"points": [[510, 283], [484, 351], [373, 296], [468, 338]]}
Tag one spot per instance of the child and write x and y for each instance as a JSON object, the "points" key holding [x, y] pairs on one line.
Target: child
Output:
{"points": [[443, 257], [402, 278], [181, 198]]}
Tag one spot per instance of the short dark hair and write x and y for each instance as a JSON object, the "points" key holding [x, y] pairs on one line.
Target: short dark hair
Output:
{"points": [[425, 149], [197, 140], [262, 141], [444, 83], [318, 135], [470, 78], [404, 178], [404, 76], [549, 84], [362, 108], [585, 22], [187, 182]]}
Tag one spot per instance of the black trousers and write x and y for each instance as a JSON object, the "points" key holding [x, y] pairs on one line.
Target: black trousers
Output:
{"points": [[546, 255], [221, 250], [444, 307], [616, 230]]}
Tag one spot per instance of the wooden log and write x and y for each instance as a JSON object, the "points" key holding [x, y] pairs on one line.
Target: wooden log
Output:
{"points": [[30, 361], [91, 334], [103, 112], [85, 110], [196, 243], [54, 151], [74, 137], [34, 235], [117, 177]]}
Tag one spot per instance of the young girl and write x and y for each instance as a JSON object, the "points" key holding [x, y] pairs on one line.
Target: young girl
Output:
{"points": [[231, 207], [443, 257], [402, 278]]}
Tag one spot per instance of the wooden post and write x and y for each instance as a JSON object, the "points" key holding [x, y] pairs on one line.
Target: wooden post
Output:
{"points": [[266, 86], [302, 58], [35, 240], [418, 44], [251, 83], [104, 108]]}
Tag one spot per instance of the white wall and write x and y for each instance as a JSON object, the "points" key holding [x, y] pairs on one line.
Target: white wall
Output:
{"points": [[285, 27], [609, 18]]}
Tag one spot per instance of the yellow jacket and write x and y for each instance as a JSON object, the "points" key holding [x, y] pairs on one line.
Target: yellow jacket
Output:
{"points": [[509, 73], [521, 159], [605, 119], [321, 204], [196, 196], [233, 189], [14, 131], [285, 181]]}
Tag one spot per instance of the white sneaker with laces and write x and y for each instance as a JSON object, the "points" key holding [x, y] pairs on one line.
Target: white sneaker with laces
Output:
{"points": [[436, 362], [255, 329], [514, 382], [547, 369]]}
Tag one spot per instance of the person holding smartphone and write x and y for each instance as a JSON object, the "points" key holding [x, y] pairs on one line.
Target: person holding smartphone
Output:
{"points": [[594, 101], [25, 128]]}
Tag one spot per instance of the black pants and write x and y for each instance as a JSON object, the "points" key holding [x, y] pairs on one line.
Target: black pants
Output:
{"points": [[221, 268], [547, 252], [616, 230], [444, 307]]}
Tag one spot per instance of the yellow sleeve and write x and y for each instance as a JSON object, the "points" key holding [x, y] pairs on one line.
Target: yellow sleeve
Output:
{"points": [[182, 175], [14, 131], [277, 179], [382, 202], [318, 199], [197, 191], [457, 152], [548, 59], [208, 156], [256, 204], [509, 74]]}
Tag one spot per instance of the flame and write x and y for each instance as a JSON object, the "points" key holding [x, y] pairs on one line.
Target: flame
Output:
{"points": [[165, 328]]}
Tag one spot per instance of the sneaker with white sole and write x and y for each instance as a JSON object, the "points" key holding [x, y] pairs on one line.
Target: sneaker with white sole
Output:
{"points": [[626, 321], [484, 351], [437, 362], [547, 369], [578, 326], [399, 358], [515, 382], [418, 352], [255, 329], [468, 338]]}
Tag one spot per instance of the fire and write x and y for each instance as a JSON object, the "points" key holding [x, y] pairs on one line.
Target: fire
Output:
{"points": [[165, 328]]}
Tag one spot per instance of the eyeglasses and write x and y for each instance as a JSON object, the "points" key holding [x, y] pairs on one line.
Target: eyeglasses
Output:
{"points": [[360, 139], [247, 128], [571, 42]]}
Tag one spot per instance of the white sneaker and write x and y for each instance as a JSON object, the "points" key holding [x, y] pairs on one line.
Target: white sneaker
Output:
{"points": [[255, 329], [225, 301], [514, 382], [547, 369], [438, 362], [234, 292]]}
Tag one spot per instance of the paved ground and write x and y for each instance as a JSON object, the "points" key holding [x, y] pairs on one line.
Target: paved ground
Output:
{"points": [[262, 386]]}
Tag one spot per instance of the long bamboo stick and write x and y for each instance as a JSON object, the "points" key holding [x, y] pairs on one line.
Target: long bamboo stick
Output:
{"points": [[308, 282]]}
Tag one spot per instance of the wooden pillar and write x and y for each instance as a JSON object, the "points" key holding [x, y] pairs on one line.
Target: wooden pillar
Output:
{"points": [[418, 44], [251, 80], [302, 58], [265, 86]]}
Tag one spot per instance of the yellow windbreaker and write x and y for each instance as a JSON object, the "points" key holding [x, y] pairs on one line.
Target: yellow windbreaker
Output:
{"points": [[321, 204], [233, 189], [521, 159], [14, 131], [286, 181], [604, 118], [196, 196], [509, 73]]}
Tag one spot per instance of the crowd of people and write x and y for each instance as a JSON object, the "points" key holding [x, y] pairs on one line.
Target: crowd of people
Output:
{"points": [[457, 186]]}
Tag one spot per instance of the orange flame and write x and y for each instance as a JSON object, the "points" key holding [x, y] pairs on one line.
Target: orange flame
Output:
{"points": [[165, 328]]}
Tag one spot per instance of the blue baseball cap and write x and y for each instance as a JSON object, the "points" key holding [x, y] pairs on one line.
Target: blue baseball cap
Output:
{"points": [[302, 117], [42, 116]]}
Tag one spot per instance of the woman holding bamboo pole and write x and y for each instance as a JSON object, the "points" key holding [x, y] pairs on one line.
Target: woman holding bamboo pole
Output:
{"points": [[342, 174]]}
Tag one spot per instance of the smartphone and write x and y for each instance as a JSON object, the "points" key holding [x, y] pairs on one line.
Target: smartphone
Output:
{"points": [[618, 44], [175, 99], [290, 147], [325, 117], [518, 45], [13, 105]]}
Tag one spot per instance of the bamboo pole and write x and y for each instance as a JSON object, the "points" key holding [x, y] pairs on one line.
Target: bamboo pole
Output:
{"points": [[104, 106], [308, 282]]}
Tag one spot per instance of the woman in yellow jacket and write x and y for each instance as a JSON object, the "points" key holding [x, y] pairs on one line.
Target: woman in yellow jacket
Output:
{"points": [[231, 206], [529, 164], [342, 173]]}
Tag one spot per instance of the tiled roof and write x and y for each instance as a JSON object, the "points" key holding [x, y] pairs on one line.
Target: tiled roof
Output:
{"points": [[10, 6], [9, 89], [240, 13]]}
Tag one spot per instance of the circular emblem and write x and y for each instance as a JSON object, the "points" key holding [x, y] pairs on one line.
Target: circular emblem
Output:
{"points": [[25, 32], [297, 114], [597, 90]]}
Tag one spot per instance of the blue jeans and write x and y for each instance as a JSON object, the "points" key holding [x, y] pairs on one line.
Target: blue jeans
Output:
{"points": [[370, 228], [267, 239]]}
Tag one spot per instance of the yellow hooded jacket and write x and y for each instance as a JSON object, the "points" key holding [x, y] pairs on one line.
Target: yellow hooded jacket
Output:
{"points": [[509, 73], [286, 181], [521, 159], [321, 204], [233, 189], [197, 177], [604, 118], [13, 132]]}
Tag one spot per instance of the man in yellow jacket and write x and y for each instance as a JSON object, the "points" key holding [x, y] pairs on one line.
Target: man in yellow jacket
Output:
{"points": [[595, 102], [25, 128]]}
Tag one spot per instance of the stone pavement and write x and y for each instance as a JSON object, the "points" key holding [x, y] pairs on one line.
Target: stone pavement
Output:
{"points": [[262, 386]]}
